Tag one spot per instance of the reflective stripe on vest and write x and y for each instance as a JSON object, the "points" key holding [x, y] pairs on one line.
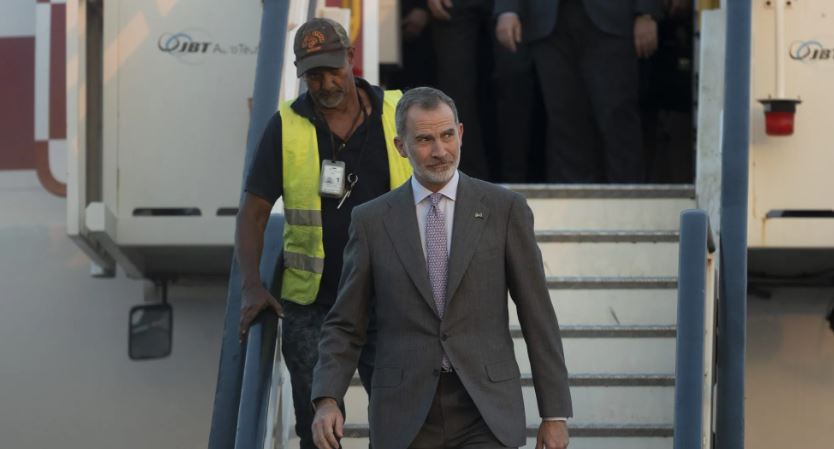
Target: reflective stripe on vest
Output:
{"points": [[303, 244]]}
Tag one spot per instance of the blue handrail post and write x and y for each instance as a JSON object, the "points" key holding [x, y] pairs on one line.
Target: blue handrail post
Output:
{"points": [[264, 103], [732, 319], [689, 363], [252, 422]]}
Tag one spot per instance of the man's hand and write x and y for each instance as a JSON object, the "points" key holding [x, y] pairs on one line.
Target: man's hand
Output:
{"points": [[252, 302], [645, 36], [552, 435], [508, 30], [328, 424], [414, 23], [439, 9]]}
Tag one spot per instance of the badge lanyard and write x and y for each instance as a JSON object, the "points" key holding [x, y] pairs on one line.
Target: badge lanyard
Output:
{"points": [[333, 171]]}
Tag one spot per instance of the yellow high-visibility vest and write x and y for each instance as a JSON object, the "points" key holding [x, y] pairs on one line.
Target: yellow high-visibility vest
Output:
{"points": [[303, 244]]}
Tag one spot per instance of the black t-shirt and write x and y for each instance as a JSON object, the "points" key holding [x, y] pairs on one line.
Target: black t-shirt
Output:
{"points": [[265, 178]]}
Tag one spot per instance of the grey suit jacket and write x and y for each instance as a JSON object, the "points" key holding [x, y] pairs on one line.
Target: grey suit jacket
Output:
{"points": [[538, 17], [493, 250]]}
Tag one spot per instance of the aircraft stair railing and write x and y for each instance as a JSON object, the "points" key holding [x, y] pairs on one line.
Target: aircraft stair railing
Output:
{"points": [[695, 353], [249, 405], [249, 382], [254, 420]]}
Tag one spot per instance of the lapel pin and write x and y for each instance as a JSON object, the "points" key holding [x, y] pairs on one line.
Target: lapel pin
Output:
{"points": [[479, 215]]}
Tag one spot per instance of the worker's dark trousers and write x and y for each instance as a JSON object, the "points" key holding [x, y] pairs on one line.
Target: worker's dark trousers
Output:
{"points": [[300, 335]]}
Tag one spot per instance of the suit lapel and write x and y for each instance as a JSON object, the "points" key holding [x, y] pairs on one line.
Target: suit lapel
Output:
{"points": [[401, 225], [470, 219]]}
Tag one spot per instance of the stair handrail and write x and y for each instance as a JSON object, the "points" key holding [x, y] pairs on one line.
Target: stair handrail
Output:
{"points": [[730, 212], [225, 423], [252, 422], [261, 360], [694, 362], [735, 166], [245, 378]]}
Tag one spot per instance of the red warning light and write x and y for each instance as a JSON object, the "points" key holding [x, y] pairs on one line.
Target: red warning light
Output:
{"points": [[779, 116]]}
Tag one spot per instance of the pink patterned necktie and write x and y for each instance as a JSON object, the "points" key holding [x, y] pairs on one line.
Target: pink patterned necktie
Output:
{"points": [[437, 258]]}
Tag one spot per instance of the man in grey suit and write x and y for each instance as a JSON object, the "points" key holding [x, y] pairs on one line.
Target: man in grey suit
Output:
{"points": [[586, 56], [437, 257]]}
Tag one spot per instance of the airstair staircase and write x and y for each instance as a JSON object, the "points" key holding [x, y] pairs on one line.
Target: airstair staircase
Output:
{"points": [[611, 257]]}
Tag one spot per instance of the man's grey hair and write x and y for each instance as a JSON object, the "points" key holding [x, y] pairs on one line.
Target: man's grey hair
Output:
{"points": [[427, 98]]}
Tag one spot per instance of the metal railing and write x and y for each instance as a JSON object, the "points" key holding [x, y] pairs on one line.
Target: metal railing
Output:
{"points": [[253, 413], [694, 364], [245, 378], [242, 394], [735, 159], [699, 369]]}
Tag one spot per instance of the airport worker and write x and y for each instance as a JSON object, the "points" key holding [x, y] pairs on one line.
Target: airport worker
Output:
{"points": [[325, 152]]}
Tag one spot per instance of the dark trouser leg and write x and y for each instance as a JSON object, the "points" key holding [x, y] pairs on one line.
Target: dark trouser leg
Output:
{"points": [[300, 335], [610, 70], [456, 46], [515, 89], [572, 143], [454, 420]]}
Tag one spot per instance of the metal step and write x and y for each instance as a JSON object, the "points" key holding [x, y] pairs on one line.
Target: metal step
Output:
{"points": [[608, 214], [581, 442], [604, 191], [604, 443], [610, 349], [605, 236], [353, 430], [615, 380], [612, 282], [622, 430], [610, 355], [610, 258], [600, 300], [611, 405], [609, 331], [595, 380], [615, 306], [609, 253], [607, 207]]}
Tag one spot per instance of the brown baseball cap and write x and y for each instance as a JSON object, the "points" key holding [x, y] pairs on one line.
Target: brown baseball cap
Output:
{"points": [[320, 43]]}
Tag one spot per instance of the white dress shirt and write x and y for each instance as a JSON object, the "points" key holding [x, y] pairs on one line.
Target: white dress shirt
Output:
{"points": [[446, 205], [422, 205]]}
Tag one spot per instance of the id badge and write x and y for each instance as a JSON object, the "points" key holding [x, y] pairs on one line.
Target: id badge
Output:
{"points": [[332, 183]]}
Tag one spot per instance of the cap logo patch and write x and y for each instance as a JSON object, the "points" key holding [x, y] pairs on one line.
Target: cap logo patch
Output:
{"points": [[313, 41]]}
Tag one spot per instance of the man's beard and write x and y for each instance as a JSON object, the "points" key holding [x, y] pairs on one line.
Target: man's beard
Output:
{"points": [[329, 99], [434, 176]]}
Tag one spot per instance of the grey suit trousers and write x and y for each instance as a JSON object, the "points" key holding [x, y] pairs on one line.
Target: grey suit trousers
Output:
{"points": [[454, 420]]}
